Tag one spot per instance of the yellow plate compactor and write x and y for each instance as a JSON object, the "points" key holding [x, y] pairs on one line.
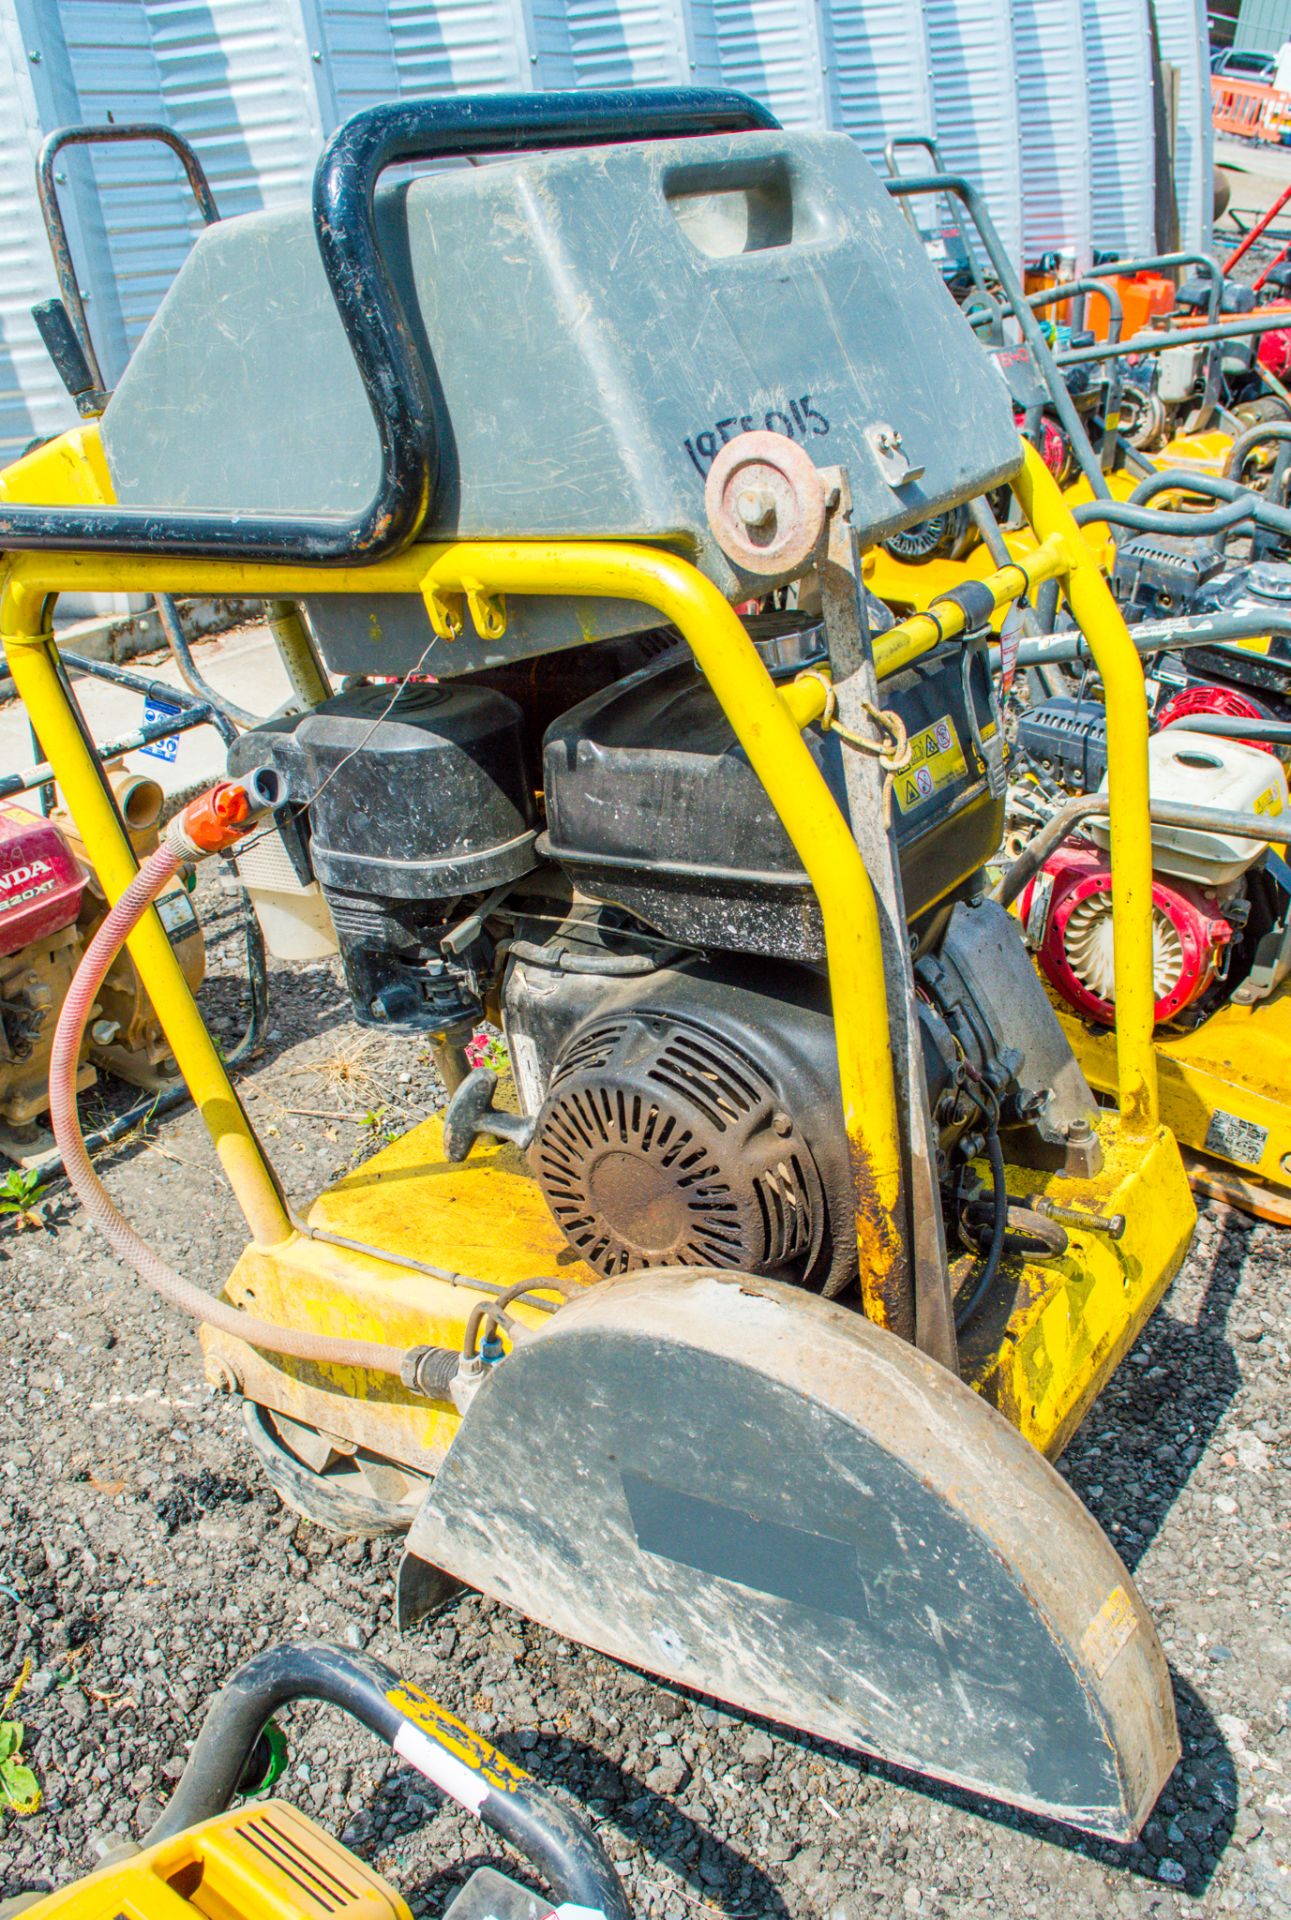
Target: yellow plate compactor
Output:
{"points": [[739, 1343]]}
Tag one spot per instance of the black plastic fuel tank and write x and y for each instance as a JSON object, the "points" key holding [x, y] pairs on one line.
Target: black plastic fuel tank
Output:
{"points": [[653, 806]]}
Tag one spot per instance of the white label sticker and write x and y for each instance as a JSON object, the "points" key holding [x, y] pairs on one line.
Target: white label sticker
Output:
{"points": [[1233, 1138], [177, 914], [444, 1770]]}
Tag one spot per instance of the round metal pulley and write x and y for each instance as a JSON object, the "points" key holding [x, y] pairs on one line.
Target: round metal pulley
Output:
{"points": [[765, 501]]}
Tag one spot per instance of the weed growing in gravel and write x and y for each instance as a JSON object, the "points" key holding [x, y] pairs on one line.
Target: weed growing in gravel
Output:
{"points": [[18, 1784], [21, 1191]]}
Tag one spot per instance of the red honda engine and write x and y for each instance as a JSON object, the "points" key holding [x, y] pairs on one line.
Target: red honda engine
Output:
{"points": [[1275, 351], [50, 906], [40, 882], [1067, 914]]}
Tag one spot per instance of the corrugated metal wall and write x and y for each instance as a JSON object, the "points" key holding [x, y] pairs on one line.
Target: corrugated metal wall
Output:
{"points": [[1053, 111], [1121, 143], [1185, 42], [1263, 25], [1045, 103]]}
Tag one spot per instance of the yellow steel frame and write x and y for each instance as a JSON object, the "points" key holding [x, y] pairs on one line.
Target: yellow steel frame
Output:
{"points": [[768, 725]]}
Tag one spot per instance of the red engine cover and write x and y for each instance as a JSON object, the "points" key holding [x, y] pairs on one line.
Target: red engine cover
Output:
{"points": [[1071, 901], [40, 881], [1226, 701], [1275, 351]]}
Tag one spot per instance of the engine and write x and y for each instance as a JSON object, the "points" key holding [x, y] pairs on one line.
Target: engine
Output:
{"points": [[630, 910], [50, 908], [1158, 577], [1220, 903]]}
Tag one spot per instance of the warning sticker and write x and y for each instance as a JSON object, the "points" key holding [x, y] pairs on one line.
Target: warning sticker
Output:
{"points": [[936, 759], [1270, 801], [1233, 1138], [1108, 1631]]}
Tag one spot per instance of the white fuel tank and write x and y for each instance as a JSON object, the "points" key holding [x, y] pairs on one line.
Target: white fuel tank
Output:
{"points": [[1202, 770]]}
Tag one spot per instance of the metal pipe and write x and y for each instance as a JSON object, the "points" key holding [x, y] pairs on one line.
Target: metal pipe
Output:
{"points": [[1159, 342], [1214, 299], [1169, 636], [1262, 276], [1263, 511], [1100, 619], [1068, 289], [1064, 406], [1266, 220], [108, 133], [1253, 437], [172, 627], [381, 339], [42, 774], [925, 143], [1240, 504], [1163, 813], [33, 661], [156, 691], [1168, 262], [1277, 733]]}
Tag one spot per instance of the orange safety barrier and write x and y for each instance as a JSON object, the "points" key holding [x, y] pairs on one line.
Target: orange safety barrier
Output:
{"points": [[1250, 111]]}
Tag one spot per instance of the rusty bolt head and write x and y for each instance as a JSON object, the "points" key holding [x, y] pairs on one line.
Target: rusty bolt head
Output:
{"points": [[755, 506], [765, 501]]}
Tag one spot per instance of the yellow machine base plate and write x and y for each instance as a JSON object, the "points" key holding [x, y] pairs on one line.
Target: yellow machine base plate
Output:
{"points": [[484, 1216], [1040, 1351], [1225, 1093]]}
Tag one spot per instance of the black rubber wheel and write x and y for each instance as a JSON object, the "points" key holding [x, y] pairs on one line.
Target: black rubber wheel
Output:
{"points": [[340, 1495]]}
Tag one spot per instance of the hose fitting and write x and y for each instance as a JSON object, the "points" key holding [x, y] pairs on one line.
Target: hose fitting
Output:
{"points": [[217, 819], [430, 1371]]}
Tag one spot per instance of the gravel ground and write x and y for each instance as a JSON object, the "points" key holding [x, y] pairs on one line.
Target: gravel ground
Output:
{"points": [[144, 1559]]}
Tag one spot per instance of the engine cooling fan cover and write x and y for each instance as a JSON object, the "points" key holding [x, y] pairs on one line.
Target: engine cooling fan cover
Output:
{"points": [[1204, 698], [660, 1144], [1067, 913], [946, 536]]}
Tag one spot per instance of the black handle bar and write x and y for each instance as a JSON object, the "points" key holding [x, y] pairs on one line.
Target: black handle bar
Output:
{"points": [[378, 332], [56, 227], [560, 1845]]}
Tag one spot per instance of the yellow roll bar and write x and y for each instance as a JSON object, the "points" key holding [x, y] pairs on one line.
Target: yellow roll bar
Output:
{"points": [[767, 726], [762, 724]]}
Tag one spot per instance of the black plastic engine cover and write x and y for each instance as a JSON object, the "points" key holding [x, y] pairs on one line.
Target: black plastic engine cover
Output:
{"points": [[653, 806], [1067, 738], [416, 797], [1164, 573]]}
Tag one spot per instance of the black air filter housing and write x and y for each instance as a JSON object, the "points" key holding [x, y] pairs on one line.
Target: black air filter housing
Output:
{"points": [[653, 806], [418, 796], [410, 800]]}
